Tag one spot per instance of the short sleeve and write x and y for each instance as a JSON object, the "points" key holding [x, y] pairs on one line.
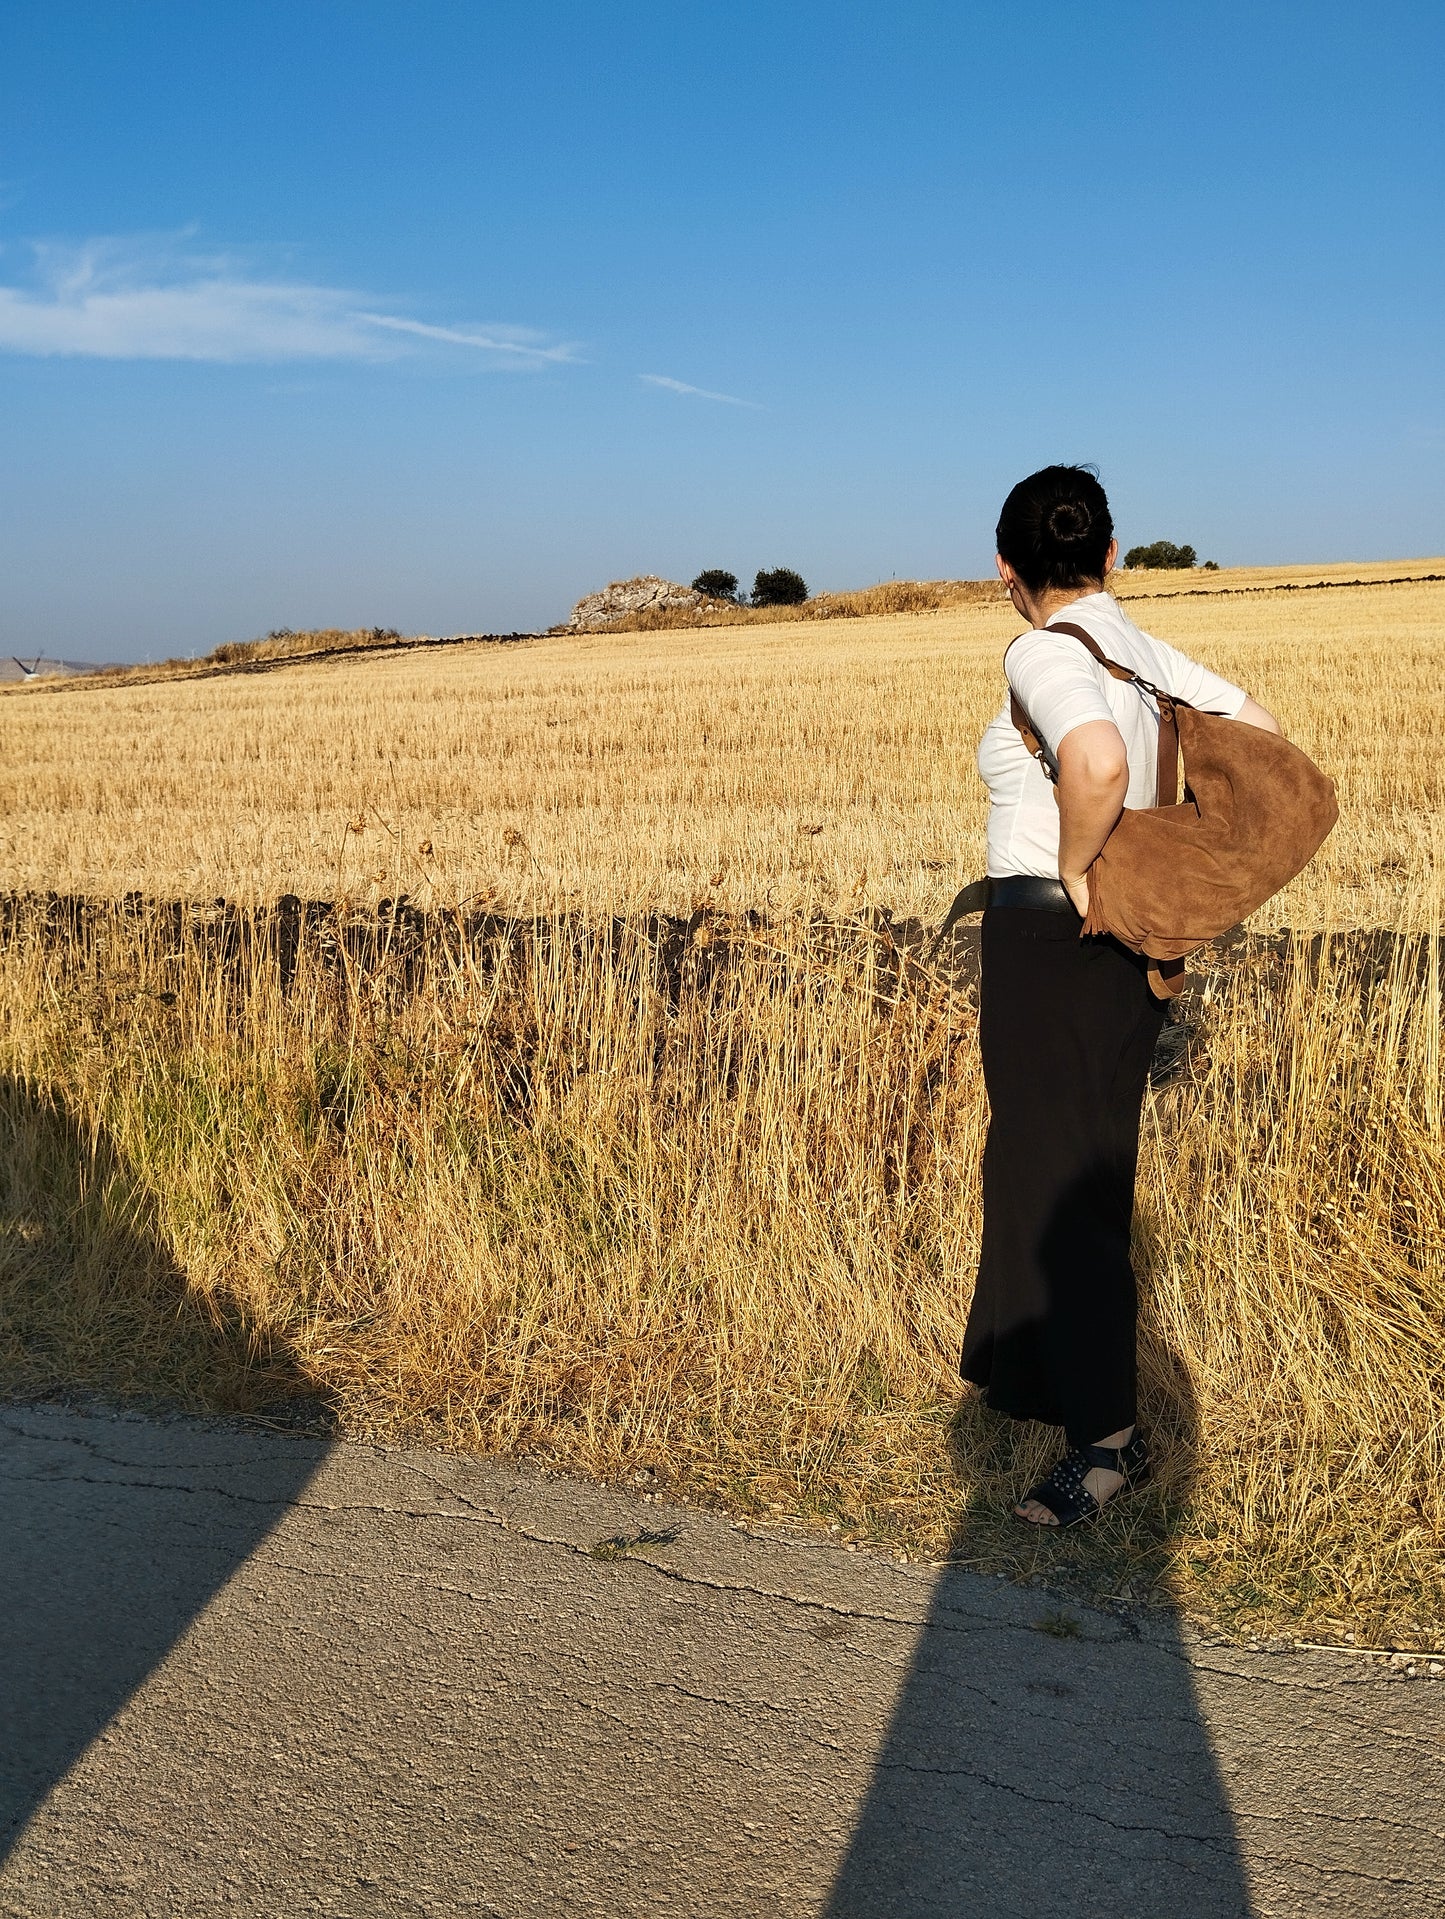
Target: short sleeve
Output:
{"points": [[1057, 683], [1188, 680]]}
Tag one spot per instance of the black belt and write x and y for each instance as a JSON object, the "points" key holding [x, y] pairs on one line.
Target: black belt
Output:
{"points": [[1013, 889], [1032, 890]]}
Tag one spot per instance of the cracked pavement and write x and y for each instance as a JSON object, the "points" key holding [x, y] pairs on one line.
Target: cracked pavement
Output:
{"points": [[247, 1672]]}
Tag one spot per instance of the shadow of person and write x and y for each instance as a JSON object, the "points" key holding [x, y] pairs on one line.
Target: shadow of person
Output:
{"points": [[1047, 1754], [108, 1554]]}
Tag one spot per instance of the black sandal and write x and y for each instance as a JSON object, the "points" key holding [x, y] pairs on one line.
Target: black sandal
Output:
{"points": [[1066, 1496]]}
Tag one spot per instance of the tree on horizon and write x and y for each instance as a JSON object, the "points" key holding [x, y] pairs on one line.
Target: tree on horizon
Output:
{"points": [[780, 587], [717, 583], [1162, 553]]}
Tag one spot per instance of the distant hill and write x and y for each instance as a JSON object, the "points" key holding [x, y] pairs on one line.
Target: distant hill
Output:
{"points": [[11, 669], [282, 648]]}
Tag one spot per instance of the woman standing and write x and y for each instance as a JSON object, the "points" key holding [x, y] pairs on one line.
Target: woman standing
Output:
{"points": [[1067, 1024]]}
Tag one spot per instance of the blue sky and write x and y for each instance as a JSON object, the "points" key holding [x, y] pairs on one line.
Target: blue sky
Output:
{"points": [[437, 315]]}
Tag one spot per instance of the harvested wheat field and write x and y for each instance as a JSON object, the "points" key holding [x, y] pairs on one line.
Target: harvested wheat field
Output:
{"points": [[644, 1137]]}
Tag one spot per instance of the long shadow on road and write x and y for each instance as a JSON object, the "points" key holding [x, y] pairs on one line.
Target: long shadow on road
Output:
{"points": [[97, 1587], [1068, 1776]]}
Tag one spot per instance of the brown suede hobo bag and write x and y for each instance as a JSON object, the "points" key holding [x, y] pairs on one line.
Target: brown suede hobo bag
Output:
{"points": [[1171, 877]]}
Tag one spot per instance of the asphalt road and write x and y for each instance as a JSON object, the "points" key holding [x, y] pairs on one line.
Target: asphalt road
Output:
{"points": [[247, 1673]]}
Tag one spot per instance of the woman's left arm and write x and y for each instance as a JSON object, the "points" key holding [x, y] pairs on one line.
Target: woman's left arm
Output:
{"points": [[1093, 780]]}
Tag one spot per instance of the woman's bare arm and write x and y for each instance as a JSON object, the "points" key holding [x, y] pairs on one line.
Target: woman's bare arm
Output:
{"points": [[1253, 714], [1093, 780]]}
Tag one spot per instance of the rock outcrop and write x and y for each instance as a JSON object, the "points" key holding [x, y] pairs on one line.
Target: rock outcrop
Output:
{"points": [[626, 598]]}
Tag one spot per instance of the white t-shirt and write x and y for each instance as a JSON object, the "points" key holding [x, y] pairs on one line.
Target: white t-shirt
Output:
{"points": [[1060, 685]]}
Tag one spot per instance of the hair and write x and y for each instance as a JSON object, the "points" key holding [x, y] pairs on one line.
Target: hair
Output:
{"points": [[1055, 528]]}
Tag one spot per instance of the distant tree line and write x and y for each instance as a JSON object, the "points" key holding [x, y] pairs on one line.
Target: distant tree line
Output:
{"points": [[1164, 553], [779, 587]]}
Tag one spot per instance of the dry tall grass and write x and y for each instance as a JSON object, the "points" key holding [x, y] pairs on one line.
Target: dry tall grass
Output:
{"points": [[718, 1227]]}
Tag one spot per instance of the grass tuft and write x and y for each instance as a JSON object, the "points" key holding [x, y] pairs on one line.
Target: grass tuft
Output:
{"points": [[1058, 1625]]}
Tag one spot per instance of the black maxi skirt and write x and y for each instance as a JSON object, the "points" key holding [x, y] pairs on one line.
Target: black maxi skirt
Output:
{"points": [[1067, 1028]]}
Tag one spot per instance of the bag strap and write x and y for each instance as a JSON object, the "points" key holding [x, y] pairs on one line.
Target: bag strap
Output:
{"points": [[1168, 762]]}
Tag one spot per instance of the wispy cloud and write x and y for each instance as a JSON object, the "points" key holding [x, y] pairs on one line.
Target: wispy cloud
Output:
{"points": [[129, 299], [503, 340], [697, 392]]}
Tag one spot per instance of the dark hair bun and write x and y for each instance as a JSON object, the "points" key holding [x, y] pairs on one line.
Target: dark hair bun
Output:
{"points": [[1055, 529], [1069, 522]]}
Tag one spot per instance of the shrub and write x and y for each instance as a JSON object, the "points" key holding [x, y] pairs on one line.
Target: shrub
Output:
{"points": [[1161, 553], [781, 587], [717, 584]]}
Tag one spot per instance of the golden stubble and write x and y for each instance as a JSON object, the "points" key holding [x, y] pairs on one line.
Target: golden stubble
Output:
{"points": [[784, 767]]}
